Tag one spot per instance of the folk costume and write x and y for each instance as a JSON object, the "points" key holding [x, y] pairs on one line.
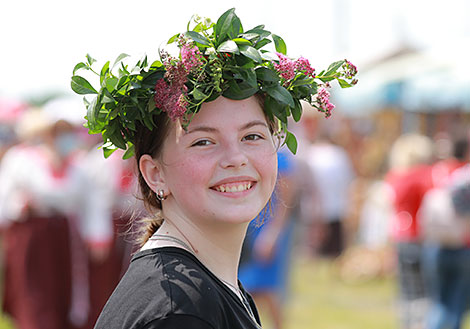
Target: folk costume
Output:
{"points": [[48, 219]]}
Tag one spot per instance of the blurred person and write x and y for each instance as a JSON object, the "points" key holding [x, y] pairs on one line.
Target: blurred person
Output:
{"points": [[375, 216], [332, 174], [91, 221], [409, 178], [37, 276], [45, 213], [307, 199], [115, 179], [265, 258], [445, 217]]}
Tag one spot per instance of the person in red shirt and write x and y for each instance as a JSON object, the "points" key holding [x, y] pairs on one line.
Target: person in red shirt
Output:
{"points": [[409, 179], [445, 217]]}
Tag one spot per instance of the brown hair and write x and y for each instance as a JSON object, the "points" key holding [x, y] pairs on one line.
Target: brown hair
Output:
{"points": [[151, 142]]}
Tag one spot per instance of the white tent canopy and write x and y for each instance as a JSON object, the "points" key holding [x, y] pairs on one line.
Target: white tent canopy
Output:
{"points": [[431, 79]]}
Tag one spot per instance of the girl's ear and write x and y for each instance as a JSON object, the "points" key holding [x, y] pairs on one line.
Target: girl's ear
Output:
{"points": [[151, 170]]}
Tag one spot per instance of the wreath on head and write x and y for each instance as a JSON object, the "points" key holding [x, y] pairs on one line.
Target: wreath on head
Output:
{"points": [[215, 59]]}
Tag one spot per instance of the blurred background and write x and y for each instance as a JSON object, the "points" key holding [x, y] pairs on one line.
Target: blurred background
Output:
{"points": [[369, 233]]}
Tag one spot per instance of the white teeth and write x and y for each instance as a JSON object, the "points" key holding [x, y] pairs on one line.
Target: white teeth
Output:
{"points": [[231, 189]]}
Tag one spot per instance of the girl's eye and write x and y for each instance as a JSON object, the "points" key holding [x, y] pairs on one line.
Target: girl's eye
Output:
{"points": [[202, 142], [252, 137]]}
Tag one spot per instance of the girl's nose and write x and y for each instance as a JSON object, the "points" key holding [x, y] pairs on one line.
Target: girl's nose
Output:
{"points": [[233, 156]]}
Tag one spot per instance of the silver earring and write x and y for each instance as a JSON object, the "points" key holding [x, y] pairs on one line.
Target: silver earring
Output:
{"points": [[161, 195]]}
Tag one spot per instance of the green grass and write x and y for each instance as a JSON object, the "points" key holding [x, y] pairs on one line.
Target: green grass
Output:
{"points": [[319, 298], [5, 323]]}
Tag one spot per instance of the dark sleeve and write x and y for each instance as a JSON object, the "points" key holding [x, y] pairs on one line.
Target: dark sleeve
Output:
{"points": [[179, 321]]}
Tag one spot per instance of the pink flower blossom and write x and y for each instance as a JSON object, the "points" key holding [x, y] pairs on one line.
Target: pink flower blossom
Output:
{"points": [[286, 67], [302, 65], [170, 99], [170, 92], [349, 70], [323, 102], [176, 73], [191, 57]]}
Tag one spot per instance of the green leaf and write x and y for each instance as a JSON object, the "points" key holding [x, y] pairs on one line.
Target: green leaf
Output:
{"points": [[228, 26], [291, 142], [90, 59], [81, 86], [199, 38], [333, 67], [281, 94], [238, 91], [111, 84], [249, 36], [242, 84], [344, 83], [302, 81], [104, 71], [265, 74], [173, 38], [261, 43], [251, 52], [296, 110], [242, 41], [92, 110], [247, 76], [144, 62], [118, 140], [123, 69], [261, 34], [198, 95], [107, 151], [80, 66], [148, 122], [107, 97], [228, 46], [275, 107], [113, 113], [326, 79], [119, 59], [122, 81], [198, 28], [156, 64], [129, 152], [279, 44]]}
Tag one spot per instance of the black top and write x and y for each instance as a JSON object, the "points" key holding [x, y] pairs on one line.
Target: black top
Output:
{"points": [[169, 287]]}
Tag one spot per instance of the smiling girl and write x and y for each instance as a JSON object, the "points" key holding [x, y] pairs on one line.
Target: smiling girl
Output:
{"points": [[204, 127]]}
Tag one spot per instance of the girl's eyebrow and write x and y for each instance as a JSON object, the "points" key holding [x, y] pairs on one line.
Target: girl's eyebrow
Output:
{"points": [[254, 123], [214, 130]]}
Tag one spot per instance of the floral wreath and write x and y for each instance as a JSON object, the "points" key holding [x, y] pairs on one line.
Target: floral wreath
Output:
{"points": [[214, 59]]}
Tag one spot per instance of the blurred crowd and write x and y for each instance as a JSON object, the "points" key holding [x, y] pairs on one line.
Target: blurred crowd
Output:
{"points": [[64, 213], [67, 214]]}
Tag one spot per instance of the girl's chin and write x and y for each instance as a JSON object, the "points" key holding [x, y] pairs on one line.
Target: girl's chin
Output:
{"points": [[237, 219]]}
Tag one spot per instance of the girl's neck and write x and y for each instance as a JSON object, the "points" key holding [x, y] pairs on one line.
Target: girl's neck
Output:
{"points": [[217, 246]]}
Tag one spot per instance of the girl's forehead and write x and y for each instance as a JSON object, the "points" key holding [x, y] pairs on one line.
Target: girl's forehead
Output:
{"points": [[227, 112]]}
